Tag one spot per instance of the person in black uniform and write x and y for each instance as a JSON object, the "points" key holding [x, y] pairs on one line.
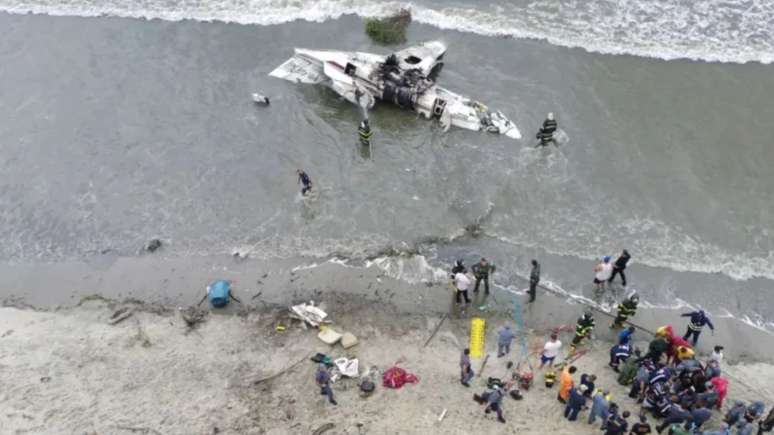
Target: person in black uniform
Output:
{"points": [[620, 266], [546, 132]]}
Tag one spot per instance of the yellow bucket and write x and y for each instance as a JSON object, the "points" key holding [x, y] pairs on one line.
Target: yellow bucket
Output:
{"points": [[477, 337]]}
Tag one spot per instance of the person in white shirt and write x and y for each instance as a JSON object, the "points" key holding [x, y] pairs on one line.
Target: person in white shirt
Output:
{"points": [[717, 355], [602, 272], [461, 283], [550, 351]]}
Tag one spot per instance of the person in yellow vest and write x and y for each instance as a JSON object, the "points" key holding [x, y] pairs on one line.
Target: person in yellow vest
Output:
{"points": [[364, 133]]}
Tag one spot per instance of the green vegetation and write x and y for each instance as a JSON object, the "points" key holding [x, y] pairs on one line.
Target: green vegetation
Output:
{"points": [[390, 30]]}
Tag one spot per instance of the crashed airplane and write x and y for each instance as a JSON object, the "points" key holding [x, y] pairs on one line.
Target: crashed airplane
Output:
{"points": [[401, 78]]}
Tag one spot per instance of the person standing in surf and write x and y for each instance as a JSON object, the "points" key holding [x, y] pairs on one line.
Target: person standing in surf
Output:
{"points": [[546, 133], [602, 272], [620, 266], [305, 181]]}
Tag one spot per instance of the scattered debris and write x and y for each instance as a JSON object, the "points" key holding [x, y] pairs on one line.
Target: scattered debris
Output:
{"points": [[153, 245], [145, 430], [443, 414], [435, 331], [483, 364], [142, 337], [309, 313], [367, 387], [258, 381], [120, 315], [348, 367], [348, 340], [322, 429], [329, 336], [7, 333], [45, 379], [257, 295], [192, 316], [261, 100], [396, 377]]}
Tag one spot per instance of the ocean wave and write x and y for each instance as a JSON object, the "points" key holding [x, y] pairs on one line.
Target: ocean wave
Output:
{"points": [[709, 30]]}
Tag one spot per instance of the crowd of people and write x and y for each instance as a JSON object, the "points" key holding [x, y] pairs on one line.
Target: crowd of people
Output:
{"points": [[676, 391]]}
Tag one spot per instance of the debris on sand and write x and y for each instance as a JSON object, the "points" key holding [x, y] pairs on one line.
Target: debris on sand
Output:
{"points": [[153, 245], [192, 316], [120, 315]]}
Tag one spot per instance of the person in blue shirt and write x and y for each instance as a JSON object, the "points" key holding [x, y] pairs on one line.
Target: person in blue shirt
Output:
{"points": [[323, 380], [305, 181], [504, 339], [695, 324], [494, 402], [626, 335]]}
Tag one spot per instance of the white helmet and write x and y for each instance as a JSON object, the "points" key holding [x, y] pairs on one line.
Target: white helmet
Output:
{"points": [[550, 116]]}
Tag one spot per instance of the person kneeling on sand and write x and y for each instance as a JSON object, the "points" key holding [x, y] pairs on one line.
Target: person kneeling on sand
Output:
{"points": [[494, 401], [323, 380]]}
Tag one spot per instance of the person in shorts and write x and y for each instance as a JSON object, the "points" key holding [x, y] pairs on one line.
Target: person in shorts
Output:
{"points": [[550, 351]]}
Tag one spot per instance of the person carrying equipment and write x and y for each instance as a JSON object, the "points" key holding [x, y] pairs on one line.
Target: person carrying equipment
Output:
{"points": [[696, 323], [546, 133], [305, 181], [364, 133], [626, 309], [481, 270], [582, 329]]}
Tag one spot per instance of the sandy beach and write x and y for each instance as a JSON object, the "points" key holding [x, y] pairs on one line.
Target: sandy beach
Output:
{"points": [[66, 370]]}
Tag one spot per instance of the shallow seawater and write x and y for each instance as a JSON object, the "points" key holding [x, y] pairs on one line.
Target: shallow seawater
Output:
{"points": [[118, 130]]}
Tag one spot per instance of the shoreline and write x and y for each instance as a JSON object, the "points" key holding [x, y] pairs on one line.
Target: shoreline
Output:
{"points": [[280, 282], [69, 370]]}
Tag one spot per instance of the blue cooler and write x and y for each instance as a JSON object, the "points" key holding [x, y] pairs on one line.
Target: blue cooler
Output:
{"points": [[218, 293]]}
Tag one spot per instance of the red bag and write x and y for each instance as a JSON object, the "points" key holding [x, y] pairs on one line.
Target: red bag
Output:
{"points": [[395, 377]]}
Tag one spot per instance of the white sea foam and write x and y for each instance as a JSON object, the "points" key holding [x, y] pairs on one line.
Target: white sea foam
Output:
{"points": [[711, 30]]}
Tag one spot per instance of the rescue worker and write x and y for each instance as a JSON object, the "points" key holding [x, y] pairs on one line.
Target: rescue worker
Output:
{"points": [[696, 323], [575, 401], [546, 133], [618, 354], [534, 279], [582, 329], [305, 181], [481, 270], [619, 266], [364, 133], [625, 337], [766, 424], [626, 309]]}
